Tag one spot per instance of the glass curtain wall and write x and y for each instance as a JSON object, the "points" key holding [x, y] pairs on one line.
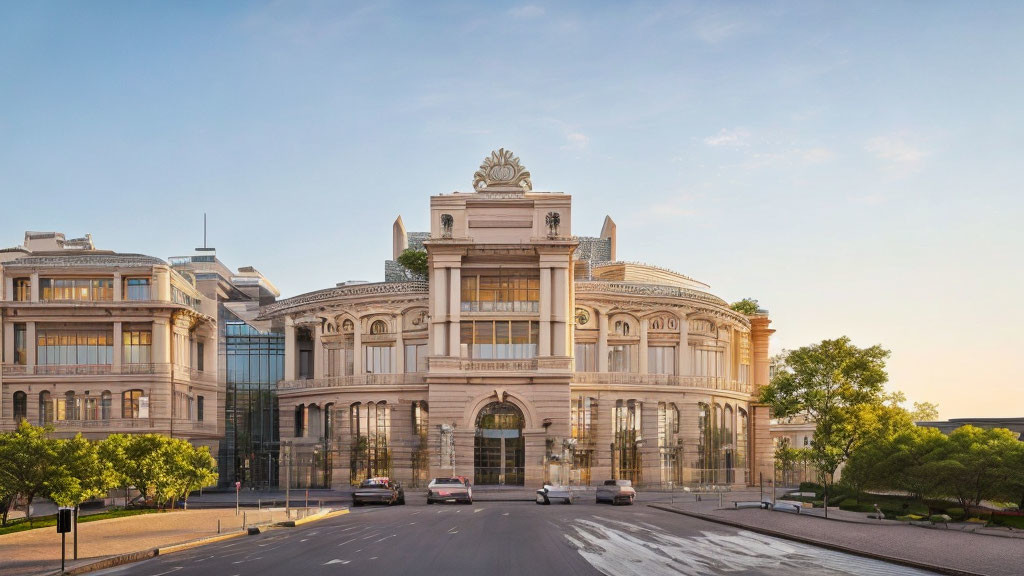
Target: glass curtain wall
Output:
{"points": [[254, 363]]}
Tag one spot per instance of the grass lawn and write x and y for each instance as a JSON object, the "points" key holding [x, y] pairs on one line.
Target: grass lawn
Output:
{"points": [[19, 524]]}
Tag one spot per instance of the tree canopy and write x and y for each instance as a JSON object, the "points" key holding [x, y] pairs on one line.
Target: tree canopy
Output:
{"points": [[746, 306], [415, 261]]}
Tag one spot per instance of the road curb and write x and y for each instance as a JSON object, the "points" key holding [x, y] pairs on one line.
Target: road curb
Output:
{"points": [[819, 543], [313, 518]]}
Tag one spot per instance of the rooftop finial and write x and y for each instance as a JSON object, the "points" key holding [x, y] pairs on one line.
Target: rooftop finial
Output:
{"points": [[502, 170]]}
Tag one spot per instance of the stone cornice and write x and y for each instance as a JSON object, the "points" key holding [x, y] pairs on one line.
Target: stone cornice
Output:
{"points": [[413, 290], [625, 297]]}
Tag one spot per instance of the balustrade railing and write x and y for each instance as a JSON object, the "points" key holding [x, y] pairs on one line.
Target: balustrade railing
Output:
{"points": [[353, 380], [704, 382]]}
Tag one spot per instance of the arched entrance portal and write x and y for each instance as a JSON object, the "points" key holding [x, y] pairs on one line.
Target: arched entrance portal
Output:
{"points": [[499, 451]]}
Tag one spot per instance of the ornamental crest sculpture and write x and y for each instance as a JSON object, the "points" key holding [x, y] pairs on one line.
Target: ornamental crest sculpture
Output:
{"points": [[502, 169]]}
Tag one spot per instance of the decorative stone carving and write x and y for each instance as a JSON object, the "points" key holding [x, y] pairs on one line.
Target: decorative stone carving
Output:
{"points": [[582, 317], [553, 219], [447, 223], [502, 169]]}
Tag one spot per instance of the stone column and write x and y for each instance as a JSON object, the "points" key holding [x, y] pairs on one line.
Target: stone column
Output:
{"points": [[118, 293], [683, 351], [644, 325], [650, 453], [357, 347], [544, 348], [9, 289], [161, 341], [30, 345], [439, 314], [562, 317], [118, 348], [35, 286], [399, 346], [318, 350], [8, 341], [760, 335], [602, 340], [290, 350], [454, 311]]}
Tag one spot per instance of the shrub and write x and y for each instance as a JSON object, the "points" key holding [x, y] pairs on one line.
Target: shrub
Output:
{"points": [[956, 513], [939, 518], [976, 521], [811, 487], [818, 503]]}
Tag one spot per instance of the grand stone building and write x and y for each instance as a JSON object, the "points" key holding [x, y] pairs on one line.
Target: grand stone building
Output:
{"points": [[526, 355]]}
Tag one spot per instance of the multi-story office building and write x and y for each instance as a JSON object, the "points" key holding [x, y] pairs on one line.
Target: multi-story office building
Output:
{"points": [[99, 342], [527, 354]]}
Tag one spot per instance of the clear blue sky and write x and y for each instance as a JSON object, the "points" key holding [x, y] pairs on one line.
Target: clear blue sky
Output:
{"points": [[854, 166]]}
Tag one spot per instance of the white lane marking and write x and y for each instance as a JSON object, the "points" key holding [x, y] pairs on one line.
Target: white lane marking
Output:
{"points": [[478, 510], [349, 528], [411, 523], [453, 531], [247, 560], [304, 539], [175, 569], [414, 513], [386, 537], [336, 561], [373, 558], [371, 536], [505, 514], [623, 549], [346, 542]]}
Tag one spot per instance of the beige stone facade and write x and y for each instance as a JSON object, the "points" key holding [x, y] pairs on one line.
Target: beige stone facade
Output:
{"points": [[527, 355], [99, 342]]}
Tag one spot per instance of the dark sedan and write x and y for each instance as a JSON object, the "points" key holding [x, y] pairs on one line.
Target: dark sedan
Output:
{"points": [[378, 491]]}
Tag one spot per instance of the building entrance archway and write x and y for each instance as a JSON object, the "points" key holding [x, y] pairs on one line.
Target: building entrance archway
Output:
{"points": [[499, 450]]}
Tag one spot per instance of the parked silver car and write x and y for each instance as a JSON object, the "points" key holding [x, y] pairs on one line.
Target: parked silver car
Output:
{"points": [[453, 489], [549, 493], [616, 492]]}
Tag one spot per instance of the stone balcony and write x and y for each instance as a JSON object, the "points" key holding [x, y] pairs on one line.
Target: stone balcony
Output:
{"points": [[285, 386], [15, 372], [444, 364], [633, 379]]}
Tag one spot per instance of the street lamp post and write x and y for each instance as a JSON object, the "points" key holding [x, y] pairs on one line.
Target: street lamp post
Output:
{"points": [[287, 478]]}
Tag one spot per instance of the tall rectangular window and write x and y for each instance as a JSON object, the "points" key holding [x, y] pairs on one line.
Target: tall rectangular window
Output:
{"points": [[137, 346], [20, 345], [661, 360], [199, 408], [622, 358], [415, 357], [200, 353], [708, 362], [22, 289], [586, 356], [378, 360], [136, 289]]}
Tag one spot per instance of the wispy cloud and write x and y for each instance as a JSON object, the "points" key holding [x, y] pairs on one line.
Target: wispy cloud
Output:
{"points": [[729, 138], [897, 151], [576, 141], [527, 11]]}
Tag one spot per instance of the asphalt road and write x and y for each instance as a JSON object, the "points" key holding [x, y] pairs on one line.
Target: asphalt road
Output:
{"points": [[514, 538]]}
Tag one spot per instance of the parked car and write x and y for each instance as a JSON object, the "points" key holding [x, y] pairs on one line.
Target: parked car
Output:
{"points": [[452, 489], [378, 491], [616, 492], [548, 493]]}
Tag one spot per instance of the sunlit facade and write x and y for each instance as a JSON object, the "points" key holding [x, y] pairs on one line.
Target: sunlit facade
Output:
{"points": [[527, 354]]}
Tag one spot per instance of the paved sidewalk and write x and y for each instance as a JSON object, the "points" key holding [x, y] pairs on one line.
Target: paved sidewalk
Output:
{"points": [[38, 551], [951, 548]]}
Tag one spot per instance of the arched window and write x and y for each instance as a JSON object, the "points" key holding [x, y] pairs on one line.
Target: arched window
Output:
{"points": [[741, 444], [379, 327], [20, 406], [105, 405], [45, 408], [71, 411]]}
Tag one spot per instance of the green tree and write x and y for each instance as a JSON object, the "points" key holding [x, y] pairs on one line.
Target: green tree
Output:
{"points": [[840, 386], [746, 306], [925, 412], [415, 261], [974, 468], [185, 468], [80, 473], [114, 451], [144, 465], [29, 458], [1012, 487]]}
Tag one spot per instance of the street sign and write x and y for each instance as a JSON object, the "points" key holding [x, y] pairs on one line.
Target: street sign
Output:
{"points": [[64, 520]]}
